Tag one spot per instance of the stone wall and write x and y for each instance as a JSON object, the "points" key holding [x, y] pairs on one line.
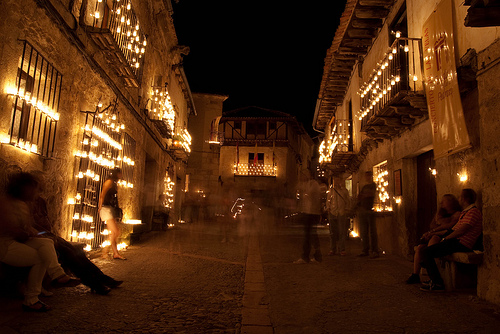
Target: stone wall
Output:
{"points": [[88, 80], [489, 105]]}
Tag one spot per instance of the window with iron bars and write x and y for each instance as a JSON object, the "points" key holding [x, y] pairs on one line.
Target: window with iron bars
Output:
{"points": [[36, 103], [104, 146]]}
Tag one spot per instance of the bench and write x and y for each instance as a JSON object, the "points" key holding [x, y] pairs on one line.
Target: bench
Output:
{"points": [[459, 270]]}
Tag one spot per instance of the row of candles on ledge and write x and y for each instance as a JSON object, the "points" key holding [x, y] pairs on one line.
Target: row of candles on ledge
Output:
{"points": [[128, 35], [375, 88], [339, 136]]}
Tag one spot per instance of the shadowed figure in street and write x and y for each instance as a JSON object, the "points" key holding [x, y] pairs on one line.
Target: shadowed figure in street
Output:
{"points": [[367, 226], [338, 204], [310, 209], [223, 202], [110, 211]]}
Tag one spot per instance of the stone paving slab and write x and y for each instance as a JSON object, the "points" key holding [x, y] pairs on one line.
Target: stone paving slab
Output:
{"points": [[349, 294], [246, 329], [254, 276], [255, 317], [255, 299]]}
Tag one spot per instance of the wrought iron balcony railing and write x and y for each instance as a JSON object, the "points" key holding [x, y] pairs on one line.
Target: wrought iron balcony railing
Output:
{"points": [[251, 169], [216, 138], [339, 141], [116, 29], [395, 83]]}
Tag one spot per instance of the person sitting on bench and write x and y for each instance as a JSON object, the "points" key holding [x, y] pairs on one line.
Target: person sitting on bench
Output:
{"points": [[69, 256], [20, 246], [465, 233]]}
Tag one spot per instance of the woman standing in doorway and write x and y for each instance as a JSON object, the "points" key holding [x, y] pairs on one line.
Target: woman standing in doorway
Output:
{"points": [[109, 210]]}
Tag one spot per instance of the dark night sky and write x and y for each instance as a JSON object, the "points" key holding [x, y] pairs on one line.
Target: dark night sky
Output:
{"points": [[261, 53]]}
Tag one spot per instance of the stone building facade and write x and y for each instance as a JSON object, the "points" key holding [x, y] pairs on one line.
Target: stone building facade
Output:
{"points": [[88, 85], [203, 163], [263, 152], [392, 135]]}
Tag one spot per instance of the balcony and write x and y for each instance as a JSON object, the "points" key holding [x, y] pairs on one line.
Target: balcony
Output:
{"points": [[161, 111], [337, 150], [181, 146], [117, 33], [216, 138], [258, 169], [393, 98]]}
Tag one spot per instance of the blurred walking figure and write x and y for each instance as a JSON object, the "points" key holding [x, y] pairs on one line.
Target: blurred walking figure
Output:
{"points": [[367, 227], [338, 203], [223, 211], [310, 209], [161, 211], [110, 211]]}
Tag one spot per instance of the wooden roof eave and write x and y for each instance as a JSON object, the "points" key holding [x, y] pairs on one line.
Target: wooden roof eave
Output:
{"points": [[359, 24]]}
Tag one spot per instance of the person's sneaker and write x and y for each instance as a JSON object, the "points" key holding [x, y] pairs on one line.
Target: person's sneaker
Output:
{"points": [[374, 255], [363, 254], [432, 287], [331, 253], [413, 279], [300, 261], [343, 253]]}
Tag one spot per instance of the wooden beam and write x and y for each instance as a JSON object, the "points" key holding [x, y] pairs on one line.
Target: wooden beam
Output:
{"points": [[352, 51], [335, 90], [382, 3], [338, 81], [371, 13], [361, 33], [340, 72], [345, 63], [483, 17], [356, 42], [339, 56], [367, 23]]}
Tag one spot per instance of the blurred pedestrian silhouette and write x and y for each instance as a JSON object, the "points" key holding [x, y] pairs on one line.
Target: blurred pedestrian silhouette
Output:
{"points": [[161, 212], [110, 211], [223, 202], [310, 209], [337, 204], [367, 226]]}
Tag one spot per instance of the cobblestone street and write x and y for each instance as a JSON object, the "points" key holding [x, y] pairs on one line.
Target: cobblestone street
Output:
{"points": [[186, 281]]}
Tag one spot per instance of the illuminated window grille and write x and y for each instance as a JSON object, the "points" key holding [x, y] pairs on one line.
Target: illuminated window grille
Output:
{"points": [[168, 190], [381, 179], [121, 21], [128, 160], [251, 169], [36, 103], [103, 147]]}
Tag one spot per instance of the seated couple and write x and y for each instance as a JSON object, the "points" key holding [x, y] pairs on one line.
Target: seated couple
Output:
{"points": [[456, 228], [21, 245]]}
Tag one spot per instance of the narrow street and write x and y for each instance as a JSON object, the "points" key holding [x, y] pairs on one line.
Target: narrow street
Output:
{"points": [[186, 281]]}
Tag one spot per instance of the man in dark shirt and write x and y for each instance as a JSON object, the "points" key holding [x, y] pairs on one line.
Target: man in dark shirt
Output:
{"points": [[367, 227]]}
